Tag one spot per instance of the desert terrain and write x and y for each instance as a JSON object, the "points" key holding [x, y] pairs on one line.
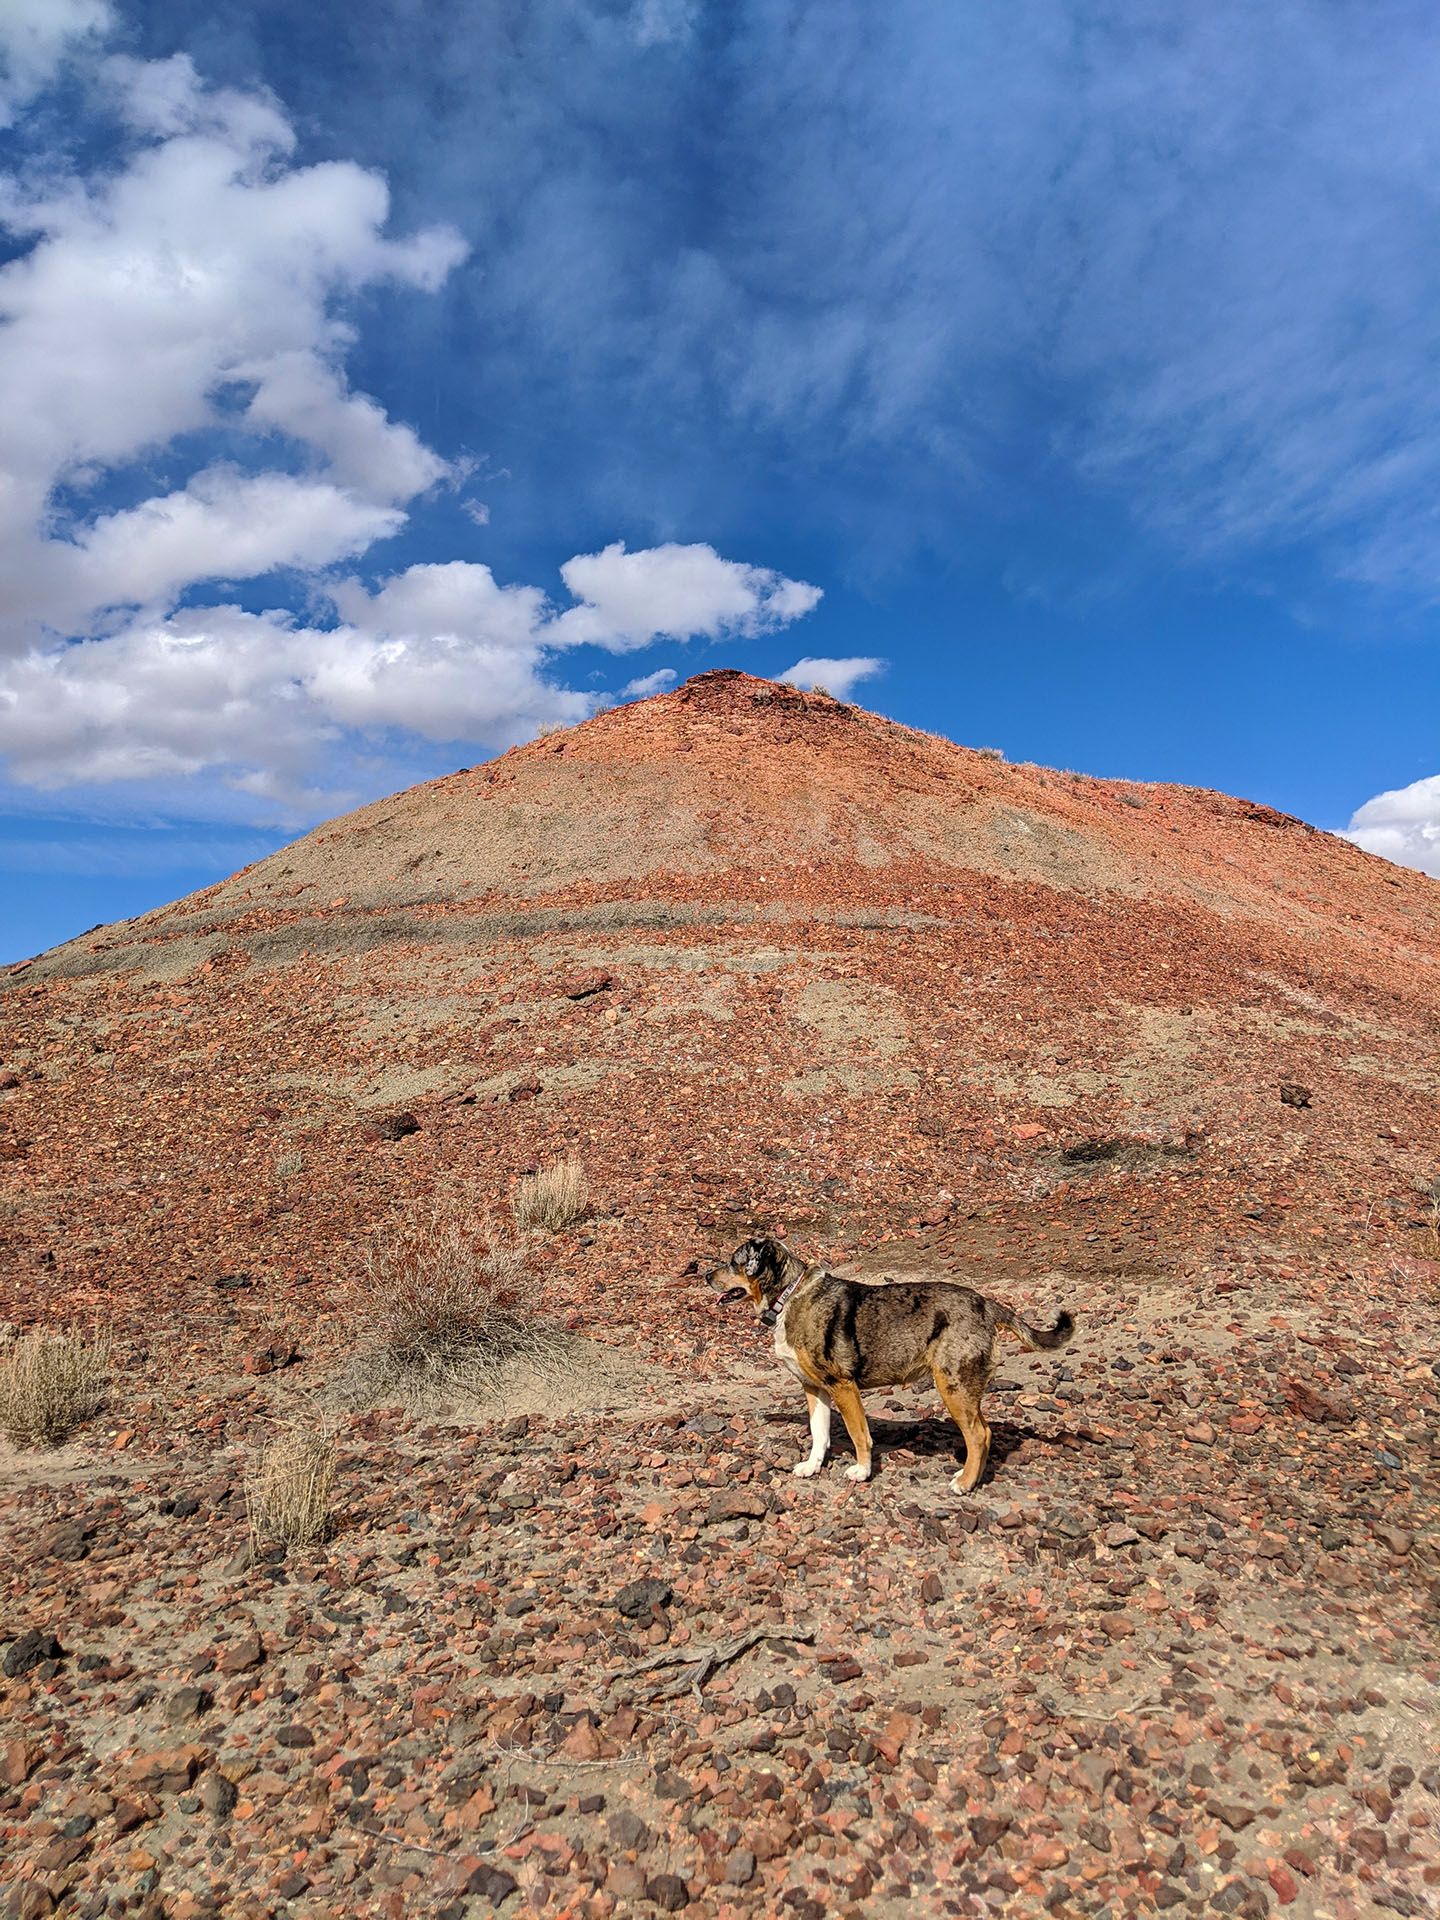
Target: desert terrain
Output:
{"points": [[572, 1639]]}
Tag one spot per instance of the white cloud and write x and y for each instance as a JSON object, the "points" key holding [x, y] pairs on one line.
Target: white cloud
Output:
{"points": [[835, 676], [649, 683], [265, 703], [681, 592], [282, 711], [198, 283], [195, 285], [1402, 825], [225, 525], [36, 36]]}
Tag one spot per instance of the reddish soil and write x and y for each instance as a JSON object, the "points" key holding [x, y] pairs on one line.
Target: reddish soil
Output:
{"points": [[756, 959]]}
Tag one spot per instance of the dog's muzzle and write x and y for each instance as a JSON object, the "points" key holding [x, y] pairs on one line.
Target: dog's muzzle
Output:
{"points": [[731, 1294]]}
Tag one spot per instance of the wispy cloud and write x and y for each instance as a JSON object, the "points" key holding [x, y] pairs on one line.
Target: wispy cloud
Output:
{"points": [[1175, 256]]}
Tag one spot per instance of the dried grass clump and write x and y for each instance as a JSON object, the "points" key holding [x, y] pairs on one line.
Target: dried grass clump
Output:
{"points": [[288, 1496], [433, 1309], [50, 1384], [554, 1197], [1430, 1223], [288, 1165]]}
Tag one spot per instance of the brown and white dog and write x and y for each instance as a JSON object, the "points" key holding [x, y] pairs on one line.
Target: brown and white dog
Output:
{"points": [[840, 1337]]}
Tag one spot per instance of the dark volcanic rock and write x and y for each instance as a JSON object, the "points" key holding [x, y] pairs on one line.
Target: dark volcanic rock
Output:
{"points": [[643, 1597], [31, 1650]]}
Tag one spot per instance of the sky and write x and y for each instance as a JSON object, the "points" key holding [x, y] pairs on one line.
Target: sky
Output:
{"points": [[383, 383]]}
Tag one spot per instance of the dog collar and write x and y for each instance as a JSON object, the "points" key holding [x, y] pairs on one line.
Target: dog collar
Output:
{"points": [[782, 1300]]}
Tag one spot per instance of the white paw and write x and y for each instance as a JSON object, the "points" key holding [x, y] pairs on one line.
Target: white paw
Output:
{"points": [[857, 1472], [805, 1469]]}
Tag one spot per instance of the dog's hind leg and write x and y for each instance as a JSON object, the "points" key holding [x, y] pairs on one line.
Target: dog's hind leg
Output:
{"points": [[847, 1398], [819, 1403], [962, 1403]]}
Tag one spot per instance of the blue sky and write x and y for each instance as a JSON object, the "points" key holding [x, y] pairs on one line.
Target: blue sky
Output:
{"points": [[383, 382]]}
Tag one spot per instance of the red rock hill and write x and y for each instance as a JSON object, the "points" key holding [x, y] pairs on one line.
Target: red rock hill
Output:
{"points": [[846, 977]]}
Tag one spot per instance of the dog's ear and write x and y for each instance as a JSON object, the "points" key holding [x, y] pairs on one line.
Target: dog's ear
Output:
{"points": [[750, 1259]]}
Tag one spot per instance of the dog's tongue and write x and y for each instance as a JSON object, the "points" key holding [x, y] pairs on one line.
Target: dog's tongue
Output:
{"points": [[730, 1293]]}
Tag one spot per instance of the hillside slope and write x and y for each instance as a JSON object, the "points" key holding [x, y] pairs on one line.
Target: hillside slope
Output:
{"points": [[853, 970], [756, 959]]}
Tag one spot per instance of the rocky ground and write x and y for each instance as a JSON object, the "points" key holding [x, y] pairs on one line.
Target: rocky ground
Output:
{"points": [[1169, 1060], [1177, 1654]]}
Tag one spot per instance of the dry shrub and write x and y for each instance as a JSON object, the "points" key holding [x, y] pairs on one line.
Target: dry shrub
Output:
{"points": [[288, 1165], [1430, 1223], [554, 1197], [50, 1384], [434, 1307], [288, 1497]]}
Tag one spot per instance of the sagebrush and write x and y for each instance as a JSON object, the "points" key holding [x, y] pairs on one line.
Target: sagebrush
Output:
{"points": [[51, 1384], [435, 1306], [554, 1197], [288, 1496]]}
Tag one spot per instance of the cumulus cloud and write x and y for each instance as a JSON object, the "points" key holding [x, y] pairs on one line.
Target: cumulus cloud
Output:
{"points": [[1402, 825], [649, 683], [185, 311], [194, 288], [224, 525], [36, 36], [835, 676], [284, 711], [265, 702], [679, 592]]}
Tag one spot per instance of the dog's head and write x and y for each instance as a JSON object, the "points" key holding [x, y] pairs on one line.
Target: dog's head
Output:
{"points": [[753, 1273]]}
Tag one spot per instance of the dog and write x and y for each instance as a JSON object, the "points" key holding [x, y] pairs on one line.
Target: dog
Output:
{"points": [[840, 1337]]}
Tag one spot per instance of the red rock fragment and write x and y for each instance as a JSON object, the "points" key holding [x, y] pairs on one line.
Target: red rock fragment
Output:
{"points": [[242, 1656], [271, 1358], [1283, 1883], [581, 984], [1310, 1404], [20, 1761], [167, 1770]]}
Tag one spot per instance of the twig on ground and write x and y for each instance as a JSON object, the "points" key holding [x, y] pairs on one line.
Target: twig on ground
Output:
{"points": [[711, 1658]]}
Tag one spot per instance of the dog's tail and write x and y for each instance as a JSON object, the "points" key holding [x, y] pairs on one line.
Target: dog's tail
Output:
{"points": [[1046, 1338]]}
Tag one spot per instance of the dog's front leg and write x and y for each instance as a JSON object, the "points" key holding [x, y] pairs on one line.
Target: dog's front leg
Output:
{"points": [[819, 1404]]}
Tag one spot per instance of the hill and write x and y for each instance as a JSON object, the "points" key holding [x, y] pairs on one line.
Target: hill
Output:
{"points": [[755, 957]]}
